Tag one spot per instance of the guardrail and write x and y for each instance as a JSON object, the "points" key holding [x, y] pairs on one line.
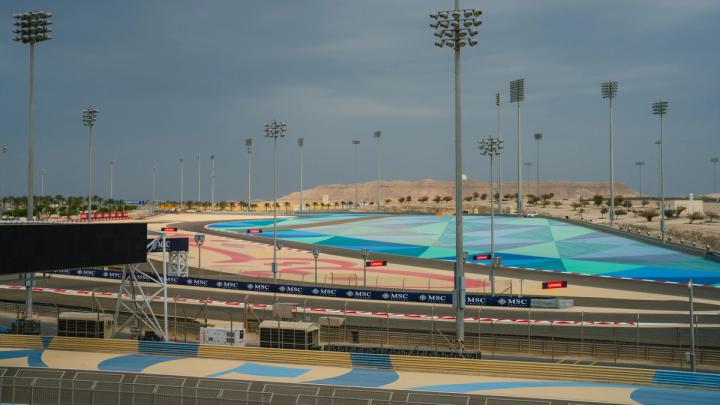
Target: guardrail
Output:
{"points": [[522, 369], [34, 386]]}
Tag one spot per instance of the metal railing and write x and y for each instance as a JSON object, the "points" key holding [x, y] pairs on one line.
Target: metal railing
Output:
{"points": [[70, 387]]}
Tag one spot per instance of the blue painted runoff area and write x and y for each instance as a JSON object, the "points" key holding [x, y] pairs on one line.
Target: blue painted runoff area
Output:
{"points": [[669, 396], [263, 370], [361, 377], [704, 380], [46, 340], [34, 356], [132, 362]]}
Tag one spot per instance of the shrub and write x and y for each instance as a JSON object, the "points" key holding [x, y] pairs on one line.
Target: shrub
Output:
{"points": [[648, 214], [696, 216]]}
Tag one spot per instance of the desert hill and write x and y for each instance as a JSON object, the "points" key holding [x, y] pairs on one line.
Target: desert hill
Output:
{"points": [[394, 189]]}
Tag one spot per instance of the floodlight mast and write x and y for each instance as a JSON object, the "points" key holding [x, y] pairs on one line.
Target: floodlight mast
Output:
{"points": [[517, 94], [89, 118], [498, 97], [538, 137], [491, 147], [275, 130], [377, 135], [660, 108], [714, 161], [31, 27], [456, 29], [355, 143], [609, 90], [248, 145], [301, 144], [640, 167]]}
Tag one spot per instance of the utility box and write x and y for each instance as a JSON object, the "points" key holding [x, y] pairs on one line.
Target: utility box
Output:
{"points": [[222, 336]]}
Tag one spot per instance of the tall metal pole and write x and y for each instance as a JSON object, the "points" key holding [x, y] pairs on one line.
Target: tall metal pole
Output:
{"points": [[377, 135], [662, 185], [3, 151], [275, 130], [212, 183], [660, 108], [693, 363], [112, 164], [640, 167], [274, 263], [609, 91], [459, 273], [248, 145], [182, 184], [355, 143], [492, 147], [31, 27], [519, 201], [89, 117], [517, 94], [301, 142], [714, 162], [538, 137], [198, 178], [89, 213], [499, 135], [42, 182], [454, 28], [31, 140], [154, 178]]}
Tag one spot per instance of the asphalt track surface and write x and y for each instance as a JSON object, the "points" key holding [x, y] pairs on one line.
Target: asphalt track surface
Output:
{"points": [[681, 290]]}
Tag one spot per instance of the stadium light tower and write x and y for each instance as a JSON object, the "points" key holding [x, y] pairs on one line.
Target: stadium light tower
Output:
{"points": [[714, 162], [538, 137], [660, 108], [42, 182], [248, 145], [609, 91], [3, 152], [30, 28], [275, 130], [182, 183], [377, 135], [640, 167], [355, 143], [89, 118], [154, 182], [212, 183], [491, 147], [517, 94], [301, 144], [456, 29], [498, 96], [112, 173], [198, 178]]}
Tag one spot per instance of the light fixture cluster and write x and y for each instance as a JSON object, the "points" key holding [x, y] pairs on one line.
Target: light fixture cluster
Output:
{"points": [[660, 107], [491, 146], [456, 28], [32, 27], [517, 90], [609, 89], [275, 129], [301, 142], [89, 116]]}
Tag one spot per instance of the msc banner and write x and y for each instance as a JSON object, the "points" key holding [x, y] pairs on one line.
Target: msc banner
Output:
{"points": [[330, 292], [171, 245]]}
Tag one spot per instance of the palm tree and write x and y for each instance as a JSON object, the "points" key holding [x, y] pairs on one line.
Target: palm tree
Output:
{"points": [[287, 207], [267, 206], [315, 204]]}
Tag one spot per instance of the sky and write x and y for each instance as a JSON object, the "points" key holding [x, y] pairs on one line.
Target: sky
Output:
{"points": [[174, 78]]}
